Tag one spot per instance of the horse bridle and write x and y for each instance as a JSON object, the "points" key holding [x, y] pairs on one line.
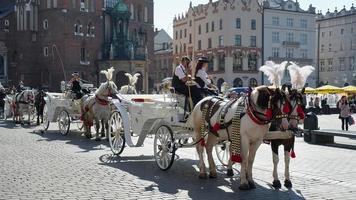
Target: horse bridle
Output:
{"points": [[297, 99]]}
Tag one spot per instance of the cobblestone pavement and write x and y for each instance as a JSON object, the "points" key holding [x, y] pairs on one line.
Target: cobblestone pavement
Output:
{"points": [[51, 166]]}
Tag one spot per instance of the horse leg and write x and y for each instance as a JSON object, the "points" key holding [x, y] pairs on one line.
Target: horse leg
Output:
{"points": [[209, 151], [102, 132], [276, 183], [251, 159], [107, 130], [287, 182], [97, 127], [245, 146]]}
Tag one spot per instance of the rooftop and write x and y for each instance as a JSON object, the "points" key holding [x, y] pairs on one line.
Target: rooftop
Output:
{"points": [[342, 13]]}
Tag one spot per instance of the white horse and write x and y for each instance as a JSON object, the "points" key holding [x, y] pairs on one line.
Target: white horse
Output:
{"points": [[298, 76], [22, 103], [97, 107], [262, 105], [131, 87]]}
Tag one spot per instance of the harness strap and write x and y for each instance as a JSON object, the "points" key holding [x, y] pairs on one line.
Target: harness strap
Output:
{"points": [[100, 101], [236, 135]]}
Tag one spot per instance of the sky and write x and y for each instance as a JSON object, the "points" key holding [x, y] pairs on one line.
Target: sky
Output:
{"points": [[165, 10]]}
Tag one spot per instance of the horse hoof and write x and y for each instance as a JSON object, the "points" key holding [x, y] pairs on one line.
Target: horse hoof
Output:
{"points": [[97, 139], [288, 184], [276, 184], [213, 175], [244, 186], [252, 184], [230, 173], [203, 175]]}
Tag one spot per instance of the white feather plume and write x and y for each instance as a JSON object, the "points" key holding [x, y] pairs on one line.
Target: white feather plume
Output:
{"points": [[299, 75], [108, 73], [274, 72], [133, 79]]}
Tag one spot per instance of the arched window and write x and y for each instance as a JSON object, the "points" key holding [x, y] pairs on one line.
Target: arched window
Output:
{"points": [[238, 82], [45, 24], [237, 62], [90, 29], [253, 82], [221, 62], [220, 82], [252, 62], [211, 64], [121, 79], [78, 28]]}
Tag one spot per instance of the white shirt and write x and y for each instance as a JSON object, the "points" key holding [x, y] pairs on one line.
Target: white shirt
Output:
{"points": [[204, 76], [180, 72]]}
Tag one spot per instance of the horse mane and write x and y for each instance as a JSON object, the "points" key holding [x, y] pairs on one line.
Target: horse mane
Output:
{"points": [[274, 72], [299, 75]]}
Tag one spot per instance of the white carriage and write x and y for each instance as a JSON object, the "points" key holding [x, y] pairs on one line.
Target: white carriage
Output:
{"points": [[63, 109]]}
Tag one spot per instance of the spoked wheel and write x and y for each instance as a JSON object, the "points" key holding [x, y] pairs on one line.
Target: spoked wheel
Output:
{"points": [[64, 122], [116, 133], [164, 148], [45, 123], [222, 150]]}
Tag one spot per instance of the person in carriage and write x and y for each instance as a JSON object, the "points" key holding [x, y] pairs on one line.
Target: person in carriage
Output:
{"points": [[201, 77], [76, 87], [181, 77], [2, 100], [20, 87]]}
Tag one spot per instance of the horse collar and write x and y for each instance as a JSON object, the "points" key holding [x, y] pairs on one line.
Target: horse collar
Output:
{"points": [[251, 112], [103, 102]]}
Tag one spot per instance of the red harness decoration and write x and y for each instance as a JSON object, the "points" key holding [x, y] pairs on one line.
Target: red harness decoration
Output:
{"points": [[254, 118], [101, 101]]}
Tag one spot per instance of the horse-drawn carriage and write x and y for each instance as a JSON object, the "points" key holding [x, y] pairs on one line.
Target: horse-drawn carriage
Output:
{"points": [[64, 109]]}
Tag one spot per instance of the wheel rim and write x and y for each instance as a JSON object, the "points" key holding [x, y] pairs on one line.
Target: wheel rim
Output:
{"points": [[45, 118], [116, 135], [223, 152], [164, 149], [63, 122]]}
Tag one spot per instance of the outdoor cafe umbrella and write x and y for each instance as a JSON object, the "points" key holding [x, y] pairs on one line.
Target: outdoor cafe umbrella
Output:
{"points": [[310, 90], [329, 89], [349, 89]]}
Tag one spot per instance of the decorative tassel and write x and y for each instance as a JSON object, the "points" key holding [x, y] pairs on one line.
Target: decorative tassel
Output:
{"points": [[202, 142], [292, 154], [236, 158], [216, 127], [269, 114], [286, 108]]}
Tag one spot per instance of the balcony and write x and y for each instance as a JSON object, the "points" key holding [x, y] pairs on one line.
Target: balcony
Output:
{"points": [[291, 44]]}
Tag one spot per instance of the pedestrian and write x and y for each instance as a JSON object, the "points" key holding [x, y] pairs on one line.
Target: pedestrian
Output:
{"points": [[311, 103], [2, 101], [344, 113]]}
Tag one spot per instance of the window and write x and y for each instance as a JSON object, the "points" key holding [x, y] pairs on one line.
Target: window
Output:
{"points": [[199, 44], [221, 41], [238, 23], [221, 24], [185, 33], [322, 34], [184, 48], [275, 37], [330, 63], [90, 30], [237, 40], [190, 22], [48, 3], [211, 64], [7, 22], [330, 33], [237, 62], [176, 49], [176, 35], [190, 38], [304, 53], [82, 5], [207, 27], [253, 24], [322, 48], [238, 82], [199, 29], [322, 65], [275, 52], [54, 3], [352, 63], [221, 66], [342, 64], [330, 47], [212, 26], [253, 41], [303, 23], [78, 28], [180, 34], [342, 31], [290, 22], [252, 62], [289, 52], [45, 51], [304, 38], [209, 43], [82, 55], [253, 82], [45, 24], [275, 21], [290, 37]]}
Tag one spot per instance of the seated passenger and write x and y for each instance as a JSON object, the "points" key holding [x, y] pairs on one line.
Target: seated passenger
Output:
{"points": [[180, 79], [202, 78], [75, 85]]}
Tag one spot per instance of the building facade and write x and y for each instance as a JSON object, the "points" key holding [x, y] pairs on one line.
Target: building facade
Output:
{"points": [[163, 56], [289, 34], [229, 33], [47, 40], [336, 37]]}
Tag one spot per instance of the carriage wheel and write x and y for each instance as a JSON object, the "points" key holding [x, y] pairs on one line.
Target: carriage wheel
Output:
{"points": [[45, 124], [222, 150], [164, 148], [64, 122], [116, 133]]}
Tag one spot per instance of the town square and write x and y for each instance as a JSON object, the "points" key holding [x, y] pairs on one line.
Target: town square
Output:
{"points": [[205, 99]]}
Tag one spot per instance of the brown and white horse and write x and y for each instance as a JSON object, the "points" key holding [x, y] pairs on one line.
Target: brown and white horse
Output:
{"points": [[262, 105], [22, 103]]}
